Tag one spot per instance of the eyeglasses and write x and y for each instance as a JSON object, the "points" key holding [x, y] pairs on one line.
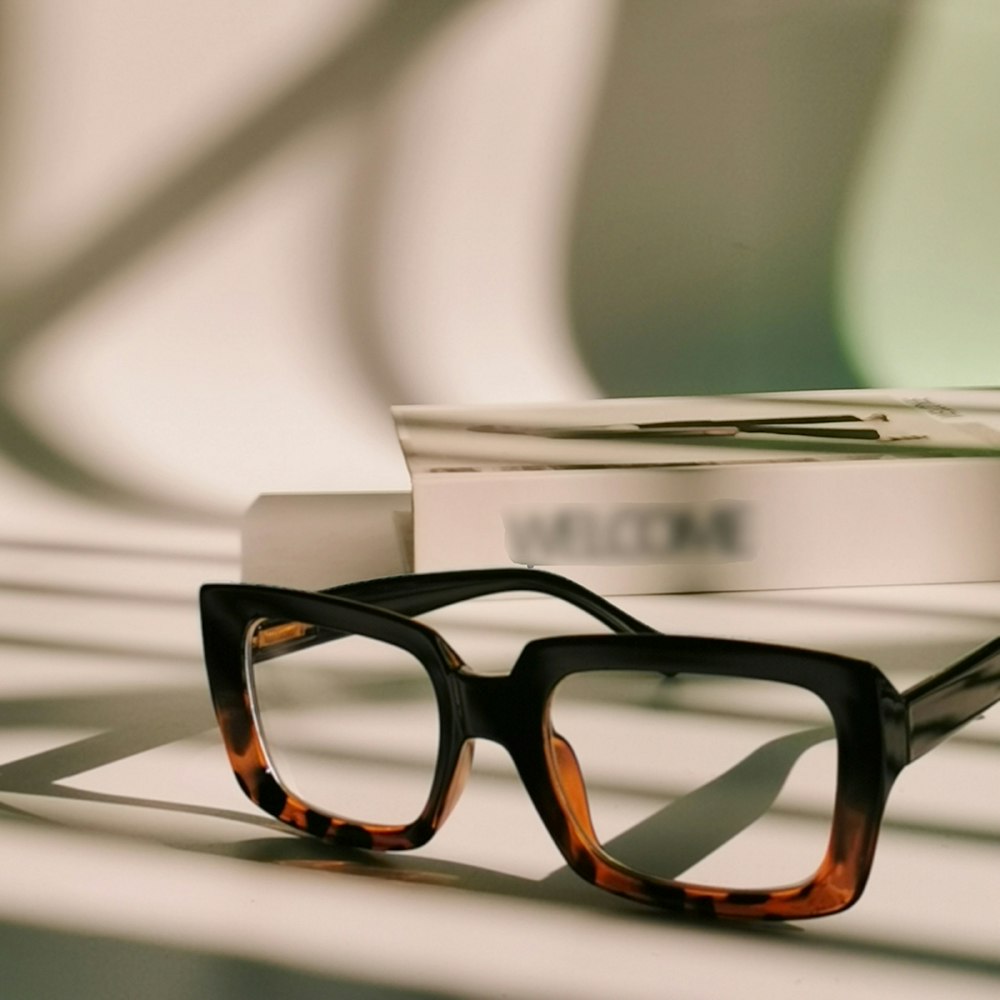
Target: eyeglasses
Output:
{"points": [[739, 779]]}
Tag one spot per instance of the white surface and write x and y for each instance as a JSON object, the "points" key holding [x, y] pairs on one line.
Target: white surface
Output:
{"points": [[129, 843]]}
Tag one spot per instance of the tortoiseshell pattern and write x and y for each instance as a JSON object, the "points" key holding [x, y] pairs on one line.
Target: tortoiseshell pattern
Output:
{"points": [[879, 730]]}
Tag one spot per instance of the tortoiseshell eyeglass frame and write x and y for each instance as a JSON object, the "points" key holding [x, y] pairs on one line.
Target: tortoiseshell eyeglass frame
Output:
{"points": [[879, 730]]}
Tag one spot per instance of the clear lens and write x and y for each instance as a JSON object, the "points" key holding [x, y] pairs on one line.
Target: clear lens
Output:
{"points": [[726, 782], [350, 724]]}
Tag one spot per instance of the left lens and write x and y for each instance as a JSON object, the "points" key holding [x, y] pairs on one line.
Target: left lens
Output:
{"points": [[350, 724]]}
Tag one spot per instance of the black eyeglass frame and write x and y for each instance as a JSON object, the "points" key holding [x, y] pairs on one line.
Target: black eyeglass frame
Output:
{"points": [[879, 730]]}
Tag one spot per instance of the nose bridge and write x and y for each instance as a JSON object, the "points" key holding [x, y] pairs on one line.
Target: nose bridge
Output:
{"points": [[487, 706]]}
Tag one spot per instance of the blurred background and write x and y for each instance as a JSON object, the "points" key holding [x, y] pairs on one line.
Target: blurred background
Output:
{"points": [[233, 234]]}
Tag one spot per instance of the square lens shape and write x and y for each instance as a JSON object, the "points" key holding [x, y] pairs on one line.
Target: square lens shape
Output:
{"points": [[711, 781], [350, 724]]}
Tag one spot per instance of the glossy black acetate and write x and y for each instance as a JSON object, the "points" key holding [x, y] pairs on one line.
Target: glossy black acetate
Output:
{"points": [[878, 730]]}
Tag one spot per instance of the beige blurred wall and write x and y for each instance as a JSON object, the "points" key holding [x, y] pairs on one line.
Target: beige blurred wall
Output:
{"points": [[232, 234]]}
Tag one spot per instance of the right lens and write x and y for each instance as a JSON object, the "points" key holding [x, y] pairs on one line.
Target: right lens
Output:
{"points": [[715, 781], [350, 724]]}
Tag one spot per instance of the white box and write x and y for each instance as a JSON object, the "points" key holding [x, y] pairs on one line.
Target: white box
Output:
{"points": [[316, 540], [838, 488]]}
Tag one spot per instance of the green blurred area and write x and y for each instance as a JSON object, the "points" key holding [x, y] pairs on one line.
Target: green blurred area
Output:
{"points": [[789, 195]]}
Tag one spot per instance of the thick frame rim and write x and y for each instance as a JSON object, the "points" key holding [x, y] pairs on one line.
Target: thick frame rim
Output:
{"points": [[854, 691], [228, 612], [869, 716]]}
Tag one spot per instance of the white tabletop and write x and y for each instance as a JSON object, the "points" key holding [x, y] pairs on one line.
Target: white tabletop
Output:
{"points": [[134, 865]]}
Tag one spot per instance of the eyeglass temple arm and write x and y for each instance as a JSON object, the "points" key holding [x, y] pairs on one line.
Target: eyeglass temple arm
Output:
{"points": [[943, 703], [417, 594]]}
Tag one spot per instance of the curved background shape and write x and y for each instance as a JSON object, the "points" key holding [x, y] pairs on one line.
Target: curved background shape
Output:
{"points": [[272, 236], [460, 212], [920, 264], [706, 218]]}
